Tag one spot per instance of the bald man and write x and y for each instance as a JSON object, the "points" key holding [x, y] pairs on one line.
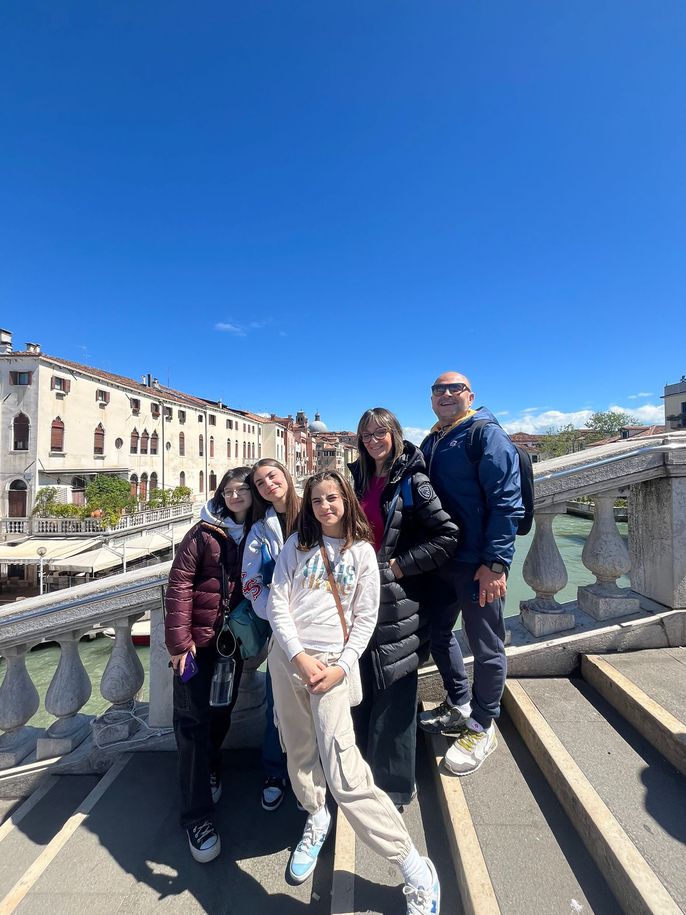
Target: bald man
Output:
{"points": [[474, 468]]}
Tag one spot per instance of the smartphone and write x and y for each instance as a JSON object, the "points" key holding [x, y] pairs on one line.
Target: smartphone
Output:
{"points": [[190, 668], [475, 591]]}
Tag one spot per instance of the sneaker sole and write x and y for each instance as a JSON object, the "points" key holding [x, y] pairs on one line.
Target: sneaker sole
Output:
{"points": [[203, 857], [301, 879], [274, 806], [477, 766]]}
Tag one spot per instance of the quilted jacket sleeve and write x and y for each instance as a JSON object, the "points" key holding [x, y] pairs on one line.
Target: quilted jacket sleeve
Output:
{"points": [[437, 537], [179, 593]]}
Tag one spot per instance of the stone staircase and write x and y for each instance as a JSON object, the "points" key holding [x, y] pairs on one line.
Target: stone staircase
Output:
{"points": [[581, 809]]}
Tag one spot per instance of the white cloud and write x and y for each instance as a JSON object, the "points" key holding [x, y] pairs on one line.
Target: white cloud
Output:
{"points": [[236, 329], [528, 421], [503, 413], [640, 395], [414, 434]]}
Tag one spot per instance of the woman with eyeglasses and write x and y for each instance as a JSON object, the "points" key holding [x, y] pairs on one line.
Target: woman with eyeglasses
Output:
{"points": [[208, 553], [412, 535]]}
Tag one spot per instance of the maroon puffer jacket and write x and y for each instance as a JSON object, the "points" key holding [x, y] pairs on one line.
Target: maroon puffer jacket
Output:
{"points": [[193, 595]]}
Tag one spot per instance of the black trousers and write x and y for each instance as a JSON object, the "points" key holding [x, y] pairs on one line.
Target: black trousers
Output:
{"points": [[200, 731], [386, 732]]}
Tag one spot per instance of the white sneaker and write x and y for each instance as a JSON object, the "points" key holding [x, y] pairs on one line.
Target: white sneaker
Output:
{"points": [[422, 901], [470, 749], [304, 858]]}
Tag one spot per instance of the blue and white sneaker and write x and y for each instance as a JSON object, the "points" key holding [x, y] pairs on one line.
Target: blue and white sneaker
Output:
{"points": [[422, 901], [304, 858]]}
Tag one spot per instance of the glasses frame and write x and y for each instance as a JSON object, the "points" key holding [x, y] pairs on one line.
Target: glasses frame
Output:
{"points": [[378, 435], [459, 387]]}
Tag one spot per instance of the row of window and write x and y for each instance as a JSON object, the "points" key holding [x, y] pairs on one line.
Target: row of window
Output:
{"points": [[139, 444], [141, 487]]}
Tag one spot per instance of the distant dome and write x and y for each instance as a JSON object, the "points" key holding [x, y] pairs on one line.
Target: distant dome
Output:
{"points": [[317, 425]]}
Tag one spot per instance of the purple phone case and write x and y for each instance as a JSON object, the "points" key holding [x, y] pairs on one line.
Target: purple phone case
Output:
{"points": [[190, 669]]}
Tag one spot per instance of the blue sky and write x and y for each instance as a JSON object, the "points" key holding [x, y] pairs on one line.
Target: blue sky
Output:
{"points": [[317, 205]]}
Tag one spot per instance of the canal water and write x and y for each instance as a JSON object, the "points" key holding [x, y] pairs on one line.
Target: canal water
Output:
{"points": [[570, 534]]}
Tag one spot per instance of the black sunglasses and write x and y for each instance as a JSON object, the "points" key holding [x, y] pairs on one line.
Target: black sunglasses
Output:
{"points": [[457, 388]]}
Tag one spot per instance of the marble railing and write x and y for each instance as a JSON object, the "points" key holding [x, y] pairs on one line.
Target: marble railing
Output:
{"points": [[65, 526], [651, 474], [65, 618]]}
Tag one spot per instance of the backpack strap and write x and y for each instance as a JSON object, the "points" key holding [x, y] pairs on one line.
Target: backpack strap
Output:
{"points": [[406, 489], [475, 439]]}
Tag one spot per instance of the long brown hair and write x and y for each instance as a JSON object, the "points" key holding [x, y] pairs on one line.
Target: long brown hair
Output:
{"points": [[260, 505], [387, 420], [355, 524]]}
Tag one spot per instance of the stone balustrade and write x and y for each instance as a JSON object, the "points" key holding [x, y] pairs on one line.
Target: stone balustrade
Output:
{"points": [[66, 618], [46, 527], [651, 474]]}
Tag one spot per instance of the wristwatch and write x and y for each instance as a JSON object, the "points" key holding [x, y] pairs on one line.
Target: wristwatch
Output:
{"points": [[497, 567]]}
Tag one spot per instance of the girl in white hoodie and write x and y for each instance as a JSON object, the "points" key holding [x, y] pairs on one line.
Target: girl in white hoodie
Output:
{"points": [[323, 607], [275, 511]]}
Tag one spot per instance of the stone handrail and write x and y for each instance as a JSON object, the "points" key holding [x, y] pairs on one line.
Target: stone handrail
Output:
{"points": [[652, 474], [47, 527]]}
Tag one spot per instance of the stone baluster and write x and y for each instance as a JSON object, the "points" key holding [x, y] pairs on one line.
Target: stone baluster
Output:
{"points": [[19, 702], [607, 556], [69, 690], [121, 681], [545, 572]]}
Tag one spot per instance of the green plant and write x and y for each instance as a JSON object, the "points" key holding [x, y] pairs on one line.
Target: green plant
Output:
{"points": [[180, 494], [44, 506]]}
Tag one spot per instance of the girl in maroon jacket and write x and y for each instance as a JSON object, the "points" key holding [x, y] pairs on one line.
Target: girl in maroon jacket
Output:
{"points": [[193, 620]]}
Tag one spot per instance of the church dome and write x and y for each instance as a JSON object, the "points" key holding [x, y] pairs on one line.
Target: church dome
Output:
{"points": [[317, 425]]}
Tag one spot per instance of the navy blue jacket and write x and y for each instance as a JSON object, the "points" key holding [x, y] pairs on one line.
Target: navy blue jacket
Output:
{"points": [[484, 499]]}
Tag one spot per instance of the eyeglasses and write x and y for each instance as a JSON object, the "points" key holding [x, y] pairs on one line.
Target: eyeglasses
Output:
{"points": [[232, 493], [377, 435], [457, 388]]}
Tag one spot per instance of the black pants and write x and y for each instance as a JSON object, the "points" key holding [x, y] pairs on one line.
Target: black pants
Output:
{"points": [[200, 731], [386, 732]]}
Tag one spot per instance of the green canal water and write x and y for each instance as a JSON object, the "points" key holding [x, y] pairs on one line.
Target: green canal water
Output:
{"points": [[570, 533]]}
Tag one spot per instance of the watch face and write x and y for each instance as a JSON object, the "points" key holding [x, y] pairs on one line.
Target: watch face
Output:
{"points": [[497, 567]]}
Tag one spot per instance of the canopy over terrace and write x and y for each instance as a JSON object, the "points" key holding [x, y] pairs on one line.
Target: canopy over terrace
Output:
{"points": [[98, 560], [25, 552]]}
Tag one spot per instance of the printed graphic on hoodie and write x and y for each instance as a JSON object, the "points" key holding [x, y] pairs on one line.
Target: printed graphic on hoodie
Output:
{"points": [[316, 579]]}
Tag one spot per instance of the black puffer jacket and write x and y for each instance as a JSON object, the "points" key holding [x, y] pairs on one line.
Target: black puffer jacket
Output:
{"points": [[420, 538]]}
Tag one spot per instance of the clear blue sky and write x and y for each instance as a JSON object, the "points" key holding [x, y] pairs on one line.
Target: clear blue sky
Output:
{"points": [[318, 205]]}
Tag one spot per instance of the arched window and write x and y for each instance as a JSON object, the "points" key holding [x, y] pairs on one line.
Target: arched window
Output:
{"points": [[201, 482], [182, 447], [134, 485], [252, 448], [153, 481], [182, 478], [145, 438], [21, 432], [244, 451], [228, 447], [134, 442], [213, 481], [57, 435], [211, 448], [236, 451], [143, 488], [154, 442], [99, 439], [201, 446]]}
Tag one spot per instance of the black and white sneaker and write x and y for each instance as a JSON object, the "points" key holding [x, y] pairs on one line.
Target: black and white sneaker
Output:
{"points": [[272, 792], [215, 786], [444, 719], [204, 841]]}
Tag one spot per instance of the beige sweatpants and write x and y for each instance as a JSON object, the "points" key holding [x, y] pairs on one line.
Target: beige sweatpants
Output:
{"points": [[317, 734]]}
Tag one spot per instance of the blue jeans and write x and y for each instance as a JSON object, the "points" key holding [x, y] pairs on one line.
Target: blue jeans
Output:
{"points": [[451, 592], [273, 757]]}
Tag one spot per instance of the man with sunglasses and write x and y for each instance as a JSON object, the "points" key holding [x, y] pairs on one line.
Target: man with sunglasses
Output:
{"points": [[482, 495]]}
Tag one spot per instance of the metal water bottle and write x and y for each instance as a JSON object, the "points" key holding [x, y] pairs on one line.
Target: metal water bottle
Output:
{"points": [[221, 688]]}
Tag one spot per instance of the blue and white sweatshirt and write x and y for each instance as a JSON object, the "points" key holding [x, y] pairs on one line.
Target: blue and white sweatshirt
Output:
{"points": [[262, 545]]}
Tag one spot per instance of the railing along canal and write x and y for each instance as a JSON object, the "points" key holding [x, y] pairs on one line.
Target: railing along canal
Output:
{"points": [[653, 477], [66, 526]]}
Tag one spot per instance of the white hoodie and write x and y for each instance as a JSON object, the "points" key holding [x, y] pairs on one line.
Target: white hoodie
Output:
{"points": [[234, 529], [265, 531]]}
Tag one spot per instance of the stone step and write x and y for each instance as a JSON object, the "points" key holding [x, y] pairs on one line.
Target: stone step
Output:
{"points": [[627, 803], [513, 847], [366, 883], [127, 853], [35, 821], [648, 688]]}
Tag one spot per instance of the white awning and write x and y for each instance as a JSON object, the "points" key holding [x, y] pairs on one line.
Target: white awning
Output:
{"points": [[98, 560], [26, 552]]}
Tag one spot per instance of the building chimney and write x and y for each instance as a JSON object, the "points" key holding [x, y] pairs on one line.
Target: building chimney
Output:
{"points": [[5, 341], [142, 379], [33, 348], [155, 383], [148, 380]]}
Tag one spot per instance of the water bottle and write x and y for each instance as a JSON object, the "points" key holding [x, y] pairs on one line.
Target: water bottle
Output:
{"points": [[221, 689]]}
